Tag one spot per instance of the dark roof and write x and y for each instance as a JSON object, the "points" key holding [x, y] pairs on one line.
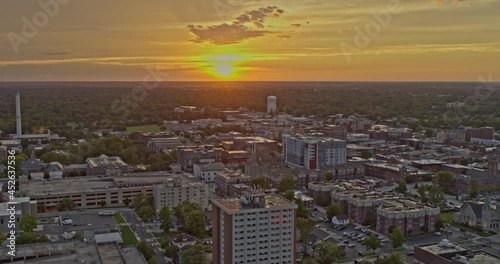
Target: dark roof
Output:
{"points": [[477, 208], [342, 217], [320, 233]]}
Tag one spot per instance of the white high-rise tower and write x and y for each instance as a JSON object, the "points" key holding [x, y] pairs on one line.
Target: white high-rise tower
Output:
{"points": [[18, 114], [271, 104]]}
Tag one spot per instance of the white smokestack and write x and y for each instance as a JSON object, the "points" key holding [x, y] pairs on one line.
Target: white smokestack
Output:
{"points": [[18, 114]]}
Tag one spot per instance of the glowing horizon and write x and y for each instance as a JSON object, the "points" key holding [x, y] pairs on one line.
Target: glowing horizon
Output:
{"points": [[281, 40]]}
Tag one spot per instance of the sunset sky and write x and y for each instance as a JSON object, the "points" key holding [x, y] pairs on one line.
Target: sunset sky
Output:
{"points": [[252, 40]]}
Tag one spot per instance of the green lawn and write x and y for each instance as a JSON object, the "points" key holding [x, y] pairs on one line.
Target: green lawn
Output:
{"points": [[128, 236], [146, 128], [446, 218], [119, 218]]}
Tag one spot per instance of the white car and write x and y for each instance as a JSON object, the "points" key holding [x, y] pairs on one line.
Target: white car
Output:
{"points": [[437, 233], [67, 221]]}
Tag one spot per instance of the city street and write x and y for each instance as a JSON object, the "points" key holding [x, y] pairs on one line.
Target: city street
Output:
{"points": [[143, 234]]}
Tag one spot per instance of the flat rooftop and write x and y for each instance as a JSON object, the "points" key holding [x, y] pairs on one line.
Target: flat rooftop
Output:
{"points": [[438, 250], [483, 258], [66, 185], [235, 204]]}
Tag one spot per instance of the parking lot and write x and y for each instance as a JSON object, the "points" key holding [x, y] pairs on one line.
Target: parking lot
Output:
{"points": [[81, 221], [352, 238]]}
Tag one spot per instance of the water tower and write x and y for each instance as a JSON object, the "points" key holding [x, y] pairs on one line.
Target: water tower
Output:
{"points": [[271, 104]]}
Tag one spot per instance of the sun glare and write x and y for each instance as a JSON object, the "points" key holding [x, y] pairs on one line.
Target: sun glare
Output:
{"points": [[225, 66], [225, 70]]}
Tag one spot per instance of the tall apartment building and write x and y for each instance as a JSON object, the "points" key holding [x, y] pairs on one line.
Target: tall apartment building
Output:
{"points": [[175, 191], [314, 153], [258, 228], [188, 156]]}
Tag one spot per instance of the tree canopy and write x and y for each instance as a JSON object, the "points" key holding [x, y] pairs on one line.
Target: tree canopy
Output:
{"points": [[195, 255], [396, 237]]}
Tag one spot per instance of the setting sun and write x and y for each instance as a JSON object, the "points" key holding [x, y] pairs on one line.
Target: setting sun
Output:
{"points": [[224, 66], [225, 70]]}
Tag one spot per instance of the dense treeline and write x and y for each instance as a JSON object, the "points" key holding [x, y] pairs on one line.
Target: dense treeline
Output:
{"points": [[63, 107]]}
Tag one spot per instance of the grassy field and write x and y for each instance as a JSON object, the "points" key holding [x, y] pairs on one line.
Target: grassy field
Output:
{"points": [[128, 236], [446, 218], [146, 128], [119, 218]]}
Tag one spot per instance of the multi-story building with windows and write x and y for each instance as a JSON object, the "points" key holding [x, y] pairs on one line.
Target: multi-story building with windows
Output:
{"points": [[175, 191], [188, 156], [314, 153], [389, 210], [106, 166], [206, 172], [258, 228]]}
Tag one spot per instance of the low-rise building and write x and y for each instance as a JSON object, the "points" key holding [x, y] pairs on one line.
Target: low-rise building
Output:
{"points": [[483, 214], [187, 156], [106, 166], [446, 252], [224, 180], [206, 171]]}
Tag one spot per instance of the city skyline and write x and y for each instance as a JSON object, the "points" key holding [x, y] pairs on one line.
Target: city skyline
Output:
{"points": [[216, 40]]}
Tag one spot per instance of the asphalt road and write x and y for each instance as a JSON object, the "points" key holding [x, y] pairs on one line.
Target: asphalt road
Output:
{"points": [[142, 233]]}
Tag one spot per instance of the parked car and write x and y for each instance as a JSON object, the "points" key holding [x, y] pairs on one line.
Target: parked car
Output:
{"points": [[410, 253], [437, 233], [360, 253], [351, 245]]}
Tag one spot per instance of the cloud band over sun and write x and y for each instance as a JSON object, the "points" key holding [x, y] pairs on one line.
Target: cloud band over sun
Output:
{"points": [[248, 25]]}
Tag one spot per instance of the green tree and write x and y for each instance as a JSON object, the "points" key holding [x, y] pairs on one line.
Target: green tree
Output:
{"points": [[3, 237], [475, 188], [395, 258], [326, 252], [153, 260], [309, 261], [396, 237], [436, 197], [195, 223], [165, 216], [401, 187], [171, 251], [366, 154], [66, 205], [287, 183], [429, 133], [145, 212], [289, 195], [329, 176], [183, 209], [302, 209], [432, 195], [31, 237], [371, 242], [145, 249], [305, 227], [261, 182], [28, 223], [333, 210], [194, 255], [444, 179]]}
